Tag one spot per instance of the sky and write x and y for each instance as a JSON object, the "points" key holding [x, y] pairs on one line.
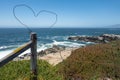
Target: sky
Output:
{"points": [[70, 13]]}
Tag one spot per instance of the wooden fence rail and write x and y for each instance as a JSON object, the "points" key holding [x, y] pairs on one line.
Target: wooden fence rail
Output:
{"points": [[32, 44]]}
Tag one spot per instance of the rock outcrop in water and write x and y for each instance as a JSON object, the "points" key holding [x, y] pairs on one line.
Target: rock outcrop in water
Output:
{"points": [[97, 39]]}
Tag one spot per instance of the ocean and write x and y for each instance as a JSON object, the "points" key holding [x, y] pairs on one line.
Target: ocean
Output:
{"points": [[11, 38]]}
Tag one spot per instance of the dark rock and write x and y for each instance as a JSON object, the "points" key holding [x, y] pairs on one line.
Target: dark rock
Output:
{"points": [[110, 37], [97, 39], [54, 49], [41, 53], [50, 50]]}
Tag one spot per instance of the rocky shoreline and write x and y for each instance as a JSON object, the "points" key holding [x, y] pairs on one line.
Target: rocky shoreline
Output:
{"points": [[52, 55], [104, 38]]}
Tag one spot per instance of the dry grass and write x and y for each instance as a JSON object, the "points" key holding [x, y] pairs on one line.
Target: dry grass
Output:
{"points": [[93, 62]]}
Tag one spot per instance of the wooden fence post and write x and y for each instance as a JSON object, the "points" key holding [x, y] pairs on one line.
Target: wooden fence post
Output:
{"points": [[34, 56]]}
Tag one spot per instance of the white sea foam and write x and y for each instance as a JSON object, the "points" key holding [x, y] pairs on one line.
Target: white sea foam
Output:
{"points": [[4, 53], [5, 47], [44, 46], [67, 43]]}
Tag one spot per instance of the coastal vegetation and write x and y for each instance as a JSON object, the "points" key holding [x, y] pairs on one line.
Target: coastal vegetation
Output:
{"points": [[20, 70], [94, 62]]}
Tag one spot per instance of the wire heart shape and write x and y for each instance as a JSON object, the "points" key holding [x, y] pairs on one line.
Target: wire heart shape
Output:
{"points": [[34, 14]]}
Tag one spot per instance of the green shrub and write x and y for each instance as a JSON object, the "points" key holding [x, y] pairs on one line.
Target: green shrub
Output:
{"points": [[20, 70]]}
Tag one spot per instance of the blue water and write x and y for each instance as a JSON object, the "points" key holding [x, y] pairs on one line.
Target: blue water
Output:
{"points": [[11, 38]]}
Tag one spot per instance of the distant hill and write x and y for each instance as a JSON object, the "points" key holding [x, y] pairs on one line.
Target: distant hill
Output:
{"points": [[113, 26]]}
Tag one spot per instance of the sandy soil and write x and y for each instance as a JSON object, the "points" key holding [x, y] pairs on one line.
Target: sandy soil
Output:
{"points": [[55, 58]]}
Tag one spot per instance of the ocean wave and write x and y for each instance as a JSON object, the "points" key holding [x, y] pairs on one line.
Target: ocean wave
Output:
{"points": [[59, 43], [5, 53], [3, 47], [53, 37], [42, 46], [9, 47], [68, 43], [6, 47]]}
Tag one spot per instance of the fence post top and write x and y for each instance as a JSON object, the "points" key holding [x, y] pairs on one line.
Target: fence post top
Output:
{"points": [[33, 36], [33, 33]]}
